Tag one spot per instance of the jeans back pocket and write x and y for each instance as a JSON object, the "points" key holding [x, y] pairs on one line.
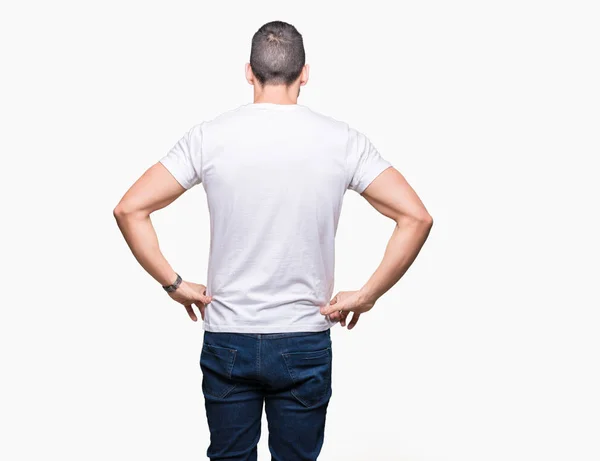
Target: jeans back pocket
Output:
{"points": [[310, 372], [217, 363]]}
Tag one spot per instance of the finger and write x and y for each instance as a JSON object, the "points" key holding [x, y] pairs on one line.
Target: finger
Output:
{"points": [[337, 306], [325, 310], [335, 316], [191, 313], [355, 317], [343, 315], [204, 299], [201, 307], [208, 298]]}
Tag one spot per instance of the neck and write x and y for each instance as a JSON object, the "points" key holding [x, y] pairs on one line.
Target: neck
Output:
{"points": [[276, 94]]}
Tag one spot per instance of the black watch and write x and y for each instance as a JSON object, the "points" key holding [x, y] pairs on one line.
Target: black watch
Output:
{"points": [[171, 288]]}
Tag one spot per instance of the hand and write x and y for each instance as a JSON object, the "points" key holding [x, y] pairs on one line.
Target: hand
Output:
{"points": [[189, 293], [348, 301]]}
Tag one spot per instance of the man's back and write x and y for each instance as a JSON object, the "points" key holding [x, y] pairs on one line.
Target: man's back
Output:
{"points": [[275, 176]]}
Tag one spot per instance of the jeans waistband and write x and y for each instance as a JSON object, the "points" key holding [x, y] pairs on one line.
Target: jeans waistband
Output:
{"points": [[273, 335]]}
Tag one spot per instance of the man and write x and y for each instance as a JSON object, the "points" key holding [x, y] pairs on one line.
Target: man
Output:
{"points": [[275, 173]]}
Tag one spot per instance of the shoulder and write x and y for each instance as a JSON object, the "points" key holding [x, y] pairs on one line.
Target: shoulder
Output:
{"points": [[353, 138], [327, 119], [226, 116], [219, 120]]}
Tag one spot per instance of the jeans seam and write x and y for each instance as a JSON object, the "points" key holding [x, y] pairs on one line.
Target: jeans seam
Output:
{"points": [[258, 356]]}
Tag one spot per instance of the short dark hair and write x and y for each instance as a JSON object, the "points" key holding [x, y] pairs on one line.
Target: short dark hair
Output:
{"points": [[277, 54]]}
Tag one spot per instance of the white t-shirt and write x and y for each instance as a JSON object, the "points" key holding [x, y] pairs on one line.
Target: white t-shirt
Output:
{"points": [[275, 177]]}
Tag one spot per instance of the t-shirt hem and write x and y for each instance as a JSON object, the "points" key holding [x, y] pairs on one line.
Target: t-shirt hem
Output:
{"points": [[267, 328]]}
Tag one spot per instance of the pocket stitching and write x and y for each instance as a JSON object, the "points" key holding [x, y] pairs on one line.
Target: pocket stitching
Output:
{"points": [[309, 354], [207, 347]]}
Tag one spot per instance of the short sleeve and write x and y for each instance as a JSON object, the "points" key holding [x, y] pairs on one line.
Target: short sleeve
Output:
{"points": [[184, 160], [365, 162]]}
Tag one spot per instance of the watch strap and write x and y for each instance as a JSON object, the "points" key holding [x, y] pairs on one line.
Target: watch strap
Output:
{"points": [[174, 286]]}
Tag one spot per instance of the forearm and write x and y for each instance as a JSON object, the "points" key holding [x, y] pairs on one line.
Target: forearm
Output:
{"points": [[139, 233], [402, 249]]}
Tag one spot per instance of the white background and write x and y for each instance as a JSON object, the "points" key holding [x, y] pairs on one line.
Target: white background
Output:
{"points": [[488, 348]]}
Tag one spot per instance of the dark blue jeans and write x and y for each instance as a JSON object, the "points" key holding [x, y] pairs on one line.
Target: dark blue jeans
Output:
{"points": [[290, 373]]}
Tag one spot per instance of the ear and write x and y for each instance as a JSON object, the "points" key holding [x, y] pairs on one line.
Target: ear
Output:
{"points": [[304, 75], [249, 74]]}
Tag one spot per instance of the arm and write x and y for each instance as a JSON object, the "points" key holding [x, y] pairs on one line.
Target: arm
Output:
{"points": [[154, 190], [392, 196]]}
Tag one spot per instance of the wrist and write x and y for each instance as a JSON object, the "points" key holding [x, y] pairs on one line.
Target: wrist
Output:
{"points": [[167, 278], [367, 296], [171, 287]]}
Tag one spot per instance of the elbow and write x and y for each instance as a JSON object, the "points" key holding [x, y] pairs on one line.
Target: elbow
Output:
{"points": [[423, 224], [426, 220], [118, 212], [126, 210], [422, 220], [121, 211]]}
